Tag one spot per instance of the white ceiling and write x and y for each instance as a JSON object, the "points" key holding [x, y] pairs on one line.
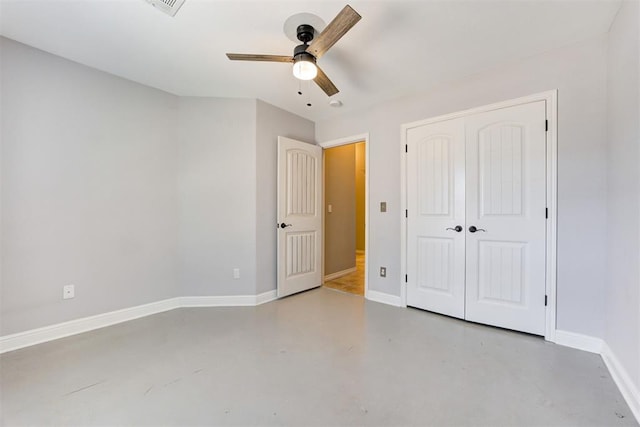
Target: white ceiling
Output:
{"points": [[398, 48]]}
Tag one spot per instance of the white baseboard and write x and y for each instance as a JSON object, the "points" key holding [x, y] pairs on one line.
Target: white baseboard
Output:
{"points": [[579, 341], [621, 377], [339, 274], [228, 300], [85, 324], [266, 297], [383, 298], [627, 388]]}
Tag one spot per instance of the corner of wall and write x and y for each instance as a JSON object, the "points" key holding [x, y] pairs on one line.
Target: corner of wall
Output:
{"points": [[271, 122], [621, 350]]}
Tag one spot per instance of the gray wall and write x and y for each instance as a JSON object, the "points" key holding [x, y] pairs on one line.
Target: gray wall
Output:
{"points": [[340, 224], [579, 72], [217, 205], [88, 191], [623, 280], [271, 122], [132, 194]]}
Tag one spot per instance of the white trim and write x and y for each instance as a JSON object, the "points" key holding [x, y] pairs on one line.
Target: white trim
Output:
{"points": [[345, 141], [218, 301], [621, 377], [384, 298], [86, 324], [266, 297], [579, 341], [551, 102], [630, 391], [542, 96], [403, 216], [340, 273], [228, 300]]}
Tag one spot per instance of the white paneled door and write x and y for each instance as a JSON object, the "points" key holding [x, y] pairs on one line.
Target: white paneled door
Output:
{"points": [[487, 174], [436, 238], [506, 197], [299, 216]]}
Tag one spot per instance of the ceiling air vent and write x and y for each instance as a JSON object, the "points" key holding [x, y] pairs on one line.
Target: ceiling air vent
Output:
{"points": [[170, 7]]}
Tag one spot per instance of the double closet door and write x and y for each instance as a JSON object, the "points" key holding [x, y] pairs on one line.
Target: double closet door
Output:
{"points": [[476, 226]]}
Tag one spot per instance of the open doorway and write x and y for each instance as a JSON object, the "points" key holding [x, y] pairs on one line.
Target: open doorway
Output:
{"points": [[345, 217]]}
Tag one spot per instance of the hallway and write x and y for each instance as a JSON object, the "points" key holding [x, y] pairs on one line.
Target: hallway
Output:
{"points": [[352, 283]]}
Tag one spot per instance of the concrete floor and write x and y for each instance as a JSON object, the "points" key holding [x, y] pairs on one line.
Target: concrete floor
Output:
{"points": [[318, 358]]}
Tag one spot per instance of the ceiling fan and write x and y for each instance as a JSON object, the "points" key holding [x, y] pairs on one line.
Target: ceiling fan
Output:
{"points": [[305, 55]]}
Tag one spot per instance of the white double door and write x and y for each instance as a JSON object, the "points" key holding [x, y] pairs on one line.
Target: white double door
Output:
{"points": [[476, 226]]}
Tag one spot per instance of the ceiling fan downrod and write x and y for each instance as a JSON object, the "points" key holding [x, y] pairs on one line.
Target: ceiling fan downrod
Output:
{"points": [[305, 33]]}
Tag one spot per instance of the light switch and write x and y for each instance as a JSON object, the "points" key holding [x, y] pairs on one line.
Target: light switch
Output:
{"points": [[383, 206], [329, 208]]}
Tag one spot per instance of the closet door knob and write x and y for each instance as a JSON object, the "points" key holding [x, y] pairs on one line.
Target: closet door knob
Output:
{"points": [[457, 228], [473, 229]]}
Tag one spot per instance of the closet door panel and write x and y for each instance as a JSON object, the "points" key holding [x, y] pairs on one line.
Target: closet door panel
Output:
{"points": [[435, 186], [505, 202]]}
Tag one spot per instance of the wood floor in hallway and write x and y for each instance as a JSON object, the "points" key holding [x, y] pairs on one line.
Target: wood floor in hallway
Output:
{"points": [[352, 283]]}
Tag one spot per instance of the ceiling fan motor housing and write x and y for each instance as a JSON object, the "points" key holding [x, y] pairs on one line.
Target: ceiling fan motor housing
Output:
{"points": [[305, 33]]}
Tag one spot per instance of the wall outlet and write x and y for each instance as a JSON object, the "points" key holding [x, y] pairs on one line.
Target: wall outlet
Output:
{"points": [[68, 291], [236, 273], [383, 271]]}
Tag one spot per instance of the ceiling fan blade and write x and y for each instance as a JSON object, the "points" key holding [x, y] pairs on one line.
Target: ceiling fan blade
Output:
{"points": [[325, 84], [253, 57], [337, 28]]}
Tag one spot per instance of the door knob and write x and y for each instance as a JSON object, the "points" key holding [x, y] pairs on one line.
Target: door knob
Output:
{"points": [[457, 228], [473, 229], [283, 225]]}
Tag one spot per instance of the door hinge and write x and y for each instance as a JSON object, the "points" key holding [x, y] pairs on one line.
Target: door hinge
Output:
{"points": [[406, 148], [406, 213], [406, 278], [545, 300], [546, 125], [546, 213]]}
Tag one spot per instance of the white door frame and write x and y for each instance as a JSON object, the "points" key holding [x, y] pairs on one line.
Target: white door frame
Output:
{"points": [[346, 141], [551, 99]]}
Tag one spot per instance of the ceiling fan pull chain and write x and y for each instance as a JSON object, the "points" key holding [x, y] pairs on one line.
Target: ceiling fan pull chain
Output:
{"points": [[308, 93]]}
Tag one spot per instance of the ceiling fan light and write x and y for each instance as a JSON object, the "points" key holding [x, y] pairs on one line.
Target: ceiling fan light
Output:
{"points": [[304, 67]]}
